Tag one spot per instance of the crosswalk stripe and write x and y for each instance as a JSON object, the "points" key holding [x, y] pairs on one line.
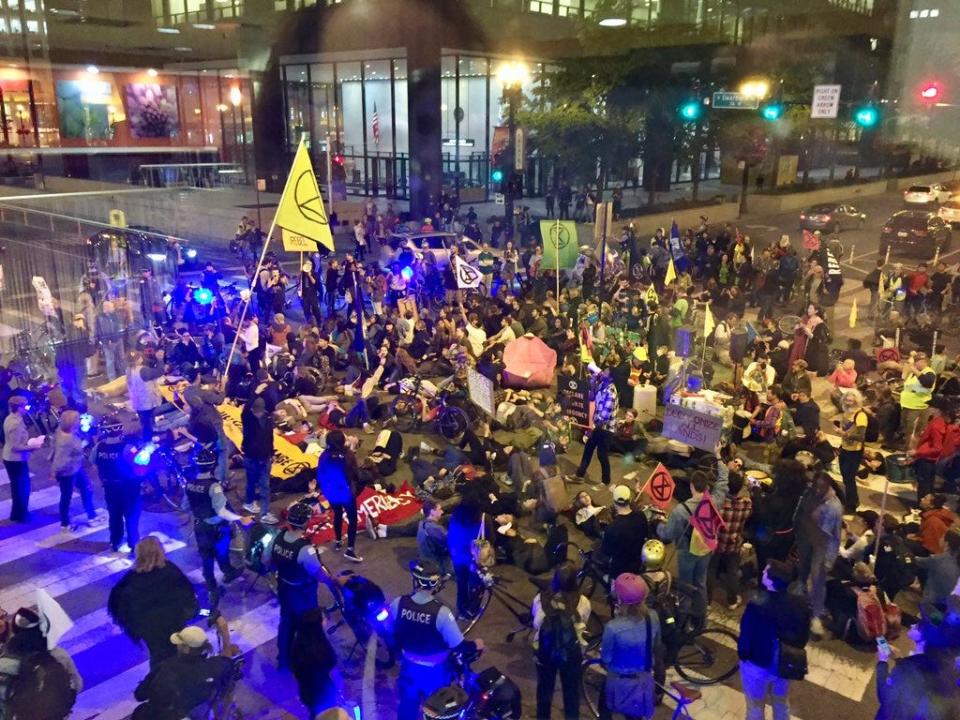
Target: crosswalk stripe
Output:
{"points": [[71, 576], [40, 499], [45, 538]]}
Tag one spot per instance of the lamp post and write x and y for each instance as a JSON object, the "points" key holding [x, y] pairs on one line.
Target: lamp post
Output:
{"points": [[754, 89], [512, 76], [236, 99]]}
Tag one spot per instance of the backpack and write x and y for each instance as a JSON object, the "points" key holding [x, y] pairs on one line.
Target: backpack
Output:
{"points": [[872, 433], [558, 640], [36, 687], [871, 618], [895, 567], [554, 494]]}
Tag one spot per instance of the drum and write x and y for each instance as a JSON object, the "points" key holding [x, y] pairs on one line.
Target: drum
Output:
{"points": [[898, 471], [741, 423], [758, 478]]}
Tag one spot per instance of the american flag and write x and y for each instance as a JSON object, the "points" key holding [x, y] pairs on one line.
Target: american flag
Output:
{"points": [[376, 125]]}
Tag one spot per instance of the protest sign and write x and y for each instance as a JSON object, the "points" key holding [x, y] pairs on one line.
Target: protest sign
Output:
{"points": [[691, 427], [573, 394]]}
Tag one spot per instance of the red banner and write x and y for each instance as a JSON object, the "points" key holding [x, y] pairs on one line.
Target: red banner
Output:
{"points": [[707, 521], [660, 486], [810, 241], [382, 507]]}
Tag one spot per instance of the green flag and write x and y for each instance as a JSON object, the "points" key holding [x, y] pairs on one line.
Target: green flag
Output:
{"points": [[560, 244]]}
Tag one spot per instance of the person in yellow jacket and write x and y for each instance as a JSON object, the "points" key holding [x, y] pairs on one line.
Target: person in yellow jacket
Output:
{"points": [[918, 381]]}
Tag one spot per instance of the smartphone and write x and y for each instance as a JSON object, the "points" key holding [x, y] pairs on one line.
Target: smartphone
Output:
{"points": [[883, 645]]}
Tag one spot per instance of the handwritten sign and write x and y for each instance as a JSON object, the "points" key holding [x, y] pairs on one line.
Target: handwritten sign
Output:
{"points": [[692, 427], [573, 394], [481, 391]]}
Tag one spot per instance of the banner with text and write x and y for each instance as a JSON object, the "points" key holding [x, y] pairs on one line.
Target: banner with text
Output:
{"points": [[691, 427]]}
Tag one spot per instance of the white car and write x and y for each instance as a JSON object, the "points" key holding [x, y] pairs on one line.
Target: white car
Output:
{"points": [[926, 194], [950, 211]]}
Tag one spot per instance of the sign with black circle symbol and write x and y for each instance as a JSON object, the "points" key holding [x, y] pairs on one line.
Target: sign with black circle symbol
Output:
{"points": [[707, 521], [660, 487], [559, 236], [301, 211], [468, 277]]}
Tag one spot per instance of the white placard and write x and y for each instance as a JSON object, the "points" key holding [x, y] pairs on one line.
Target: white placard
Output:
{"points": [[481, 391], [826, 101]]}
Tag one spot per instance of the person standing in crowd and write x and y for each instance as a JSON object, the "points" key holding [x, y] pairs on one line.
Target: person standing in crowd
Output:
{"points": [[818, 523], [153, 600], [257, 449], [66, 466], [311, 291], [17, 448], [485, 261], [630, 649], [626, 532], [151, 301], [205, 425], [560, 616], [337, 476], [143, 387], [774, 632], [70, 358], [918, 382], [313, 662], [298, 567], [211, 522], [121, 486], [853, 431], [725, 559], [605, 407], [109, 334], [425, 633]]}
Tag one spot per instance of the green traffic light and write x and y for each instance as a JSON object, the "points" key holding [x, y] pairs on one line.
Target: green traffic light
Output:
{"points": [[690, 110], [497, 176], [772, 112], [866, 116]]}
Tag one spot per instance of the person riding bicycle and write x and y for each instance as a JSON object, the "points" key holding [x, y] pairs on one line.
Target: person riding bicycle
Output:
{"points": [[186, 681], [299, 570], [112, 455], [211, 521], [426, 634]]}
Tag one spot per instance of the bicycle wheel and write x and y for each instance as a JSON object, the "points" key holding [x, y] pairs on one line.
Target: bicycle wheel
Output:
{"points": [[406, 413], [481, 601], [593, 677], [452, 422], [709, 657]]}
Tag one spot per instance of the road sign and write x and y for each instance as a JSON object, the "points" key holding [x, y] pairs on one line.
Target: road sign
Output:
{"points": [[118, 218], [519, 151], [826, 101], [499, 199], [725, 100], [261, 184]]}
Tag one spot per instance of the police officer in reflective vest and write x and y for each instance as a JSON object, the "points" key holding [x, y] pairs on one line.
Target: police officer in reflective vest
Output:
{"points": [[426, 634], [211, 522], [121, 487], [297, 562]]}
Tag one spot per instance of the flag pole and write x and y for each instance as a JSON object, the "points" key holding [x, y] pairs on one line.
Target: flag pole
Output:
{"points": [[256, 275], [556, 243], [703, 356]]}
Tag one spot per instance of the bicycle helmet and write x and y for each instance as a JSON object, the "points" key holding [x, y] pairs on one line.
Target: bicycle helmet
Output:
{"points": [[630, 589], [206, 461], [652, 555], [299, 515], [446, 703], [111, 426], [426, 574]]}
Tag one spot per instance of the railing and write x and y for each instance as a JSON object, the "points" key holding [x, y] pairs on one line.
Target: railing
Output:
{"points": [[198, 175]]}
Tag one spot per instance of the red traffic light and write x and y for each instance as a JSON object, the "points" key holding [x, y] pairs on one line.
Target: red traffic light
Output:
{"points": [[930, 91]]}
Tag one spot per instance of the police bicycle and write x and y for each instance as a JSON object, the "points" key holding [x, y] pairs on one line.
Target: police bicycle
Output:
{"points": [[162, 466], [484, 695]]}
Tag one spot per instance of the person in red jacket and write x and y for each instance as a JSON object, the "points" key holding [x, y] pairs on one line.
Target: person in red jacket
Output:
{"points": [[935, 520], [948, 465], [929, 447]]}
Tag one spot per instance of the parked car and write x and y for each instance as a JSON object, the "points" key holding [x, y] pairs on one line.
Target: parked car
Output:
{"points": [[141, 244], [438, 242], [926, 194], [832, 217], [950, 211], [915, 232]]}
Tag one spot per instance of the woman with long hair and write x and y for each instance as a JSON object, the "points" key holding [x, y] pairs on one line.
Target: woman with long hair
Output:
{"points": [[153, 600], [67, 467], [312, 660]]}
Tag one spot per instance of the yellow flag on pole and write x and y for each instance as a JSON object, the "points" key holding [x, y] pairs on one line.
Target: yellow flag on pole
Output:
{"points": [[671, 274], [708, 322], [301, 213], [881, 285], [853, 314]]}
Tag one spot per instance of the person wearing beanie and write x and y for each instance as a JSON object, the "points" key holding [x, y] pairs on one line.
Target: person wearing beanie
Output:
{"points": [[630, 648]]}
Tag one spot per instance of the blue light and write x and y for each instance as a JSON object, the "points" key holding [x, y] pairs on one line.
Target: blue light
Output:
{"points": [[203, 296], [86, 422], [142, 458], [691, 110], [191, 254], [497, 176], [772, 112], [382, 615], [866, 116], [356, 712], [407, 273]]}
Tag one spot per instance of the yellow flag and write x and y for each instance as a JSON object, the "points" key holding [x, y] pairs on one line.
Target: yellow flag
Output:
{"points": [[671, 273], [708, 322], [853, 314], [301, 212], [881, 285], [652, 296]]}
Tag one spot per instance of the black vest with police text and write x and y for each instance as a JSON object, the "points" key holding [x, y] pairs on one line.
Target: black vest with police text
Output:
{"points": [[416, 627], [198, 495], [285, 556]]}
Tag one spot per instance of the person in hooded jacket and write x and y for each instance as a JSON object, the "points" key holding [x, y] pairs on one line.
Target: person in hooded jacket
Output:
{"points": [[153, 600], [337, 475]]}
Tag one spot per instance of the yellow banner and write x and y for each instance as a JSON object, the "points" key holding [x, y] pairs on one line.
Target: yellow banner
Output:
{"points": [[288, 459], [297, 243], [301, 210]]}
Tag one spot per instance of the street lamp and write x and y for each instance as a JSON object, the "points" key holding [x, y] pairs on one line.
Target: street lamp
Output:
{"points": [[615, 14], [512, 76], [757, 88], [236, 98]]}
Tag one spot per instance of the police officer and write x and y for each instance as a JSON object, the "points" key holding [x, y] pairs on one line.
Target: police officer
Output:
{"points": [[211, 521], [121, 487], [426, 634], [298, 567]]}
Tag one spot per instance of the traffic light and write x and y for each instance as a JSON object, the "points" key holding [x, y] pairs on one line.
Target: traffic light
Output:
{"points": [[866, 116], [690, 111], [516, 184], [497, 175], [772, 111], [930, 92]]}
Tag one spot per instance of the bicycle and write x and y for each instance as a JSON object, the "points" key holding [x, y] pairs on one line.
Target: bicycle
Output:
{"points": [[487, 695], [484, 587], [163, 468], [407, 410]]}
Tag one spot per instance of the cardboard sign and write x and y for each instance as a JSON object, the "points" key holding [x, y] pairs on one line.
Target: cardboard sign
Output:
{"points": [[573, 394], [481, 391], [691, 427], [707, 521], [660, 486]]}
